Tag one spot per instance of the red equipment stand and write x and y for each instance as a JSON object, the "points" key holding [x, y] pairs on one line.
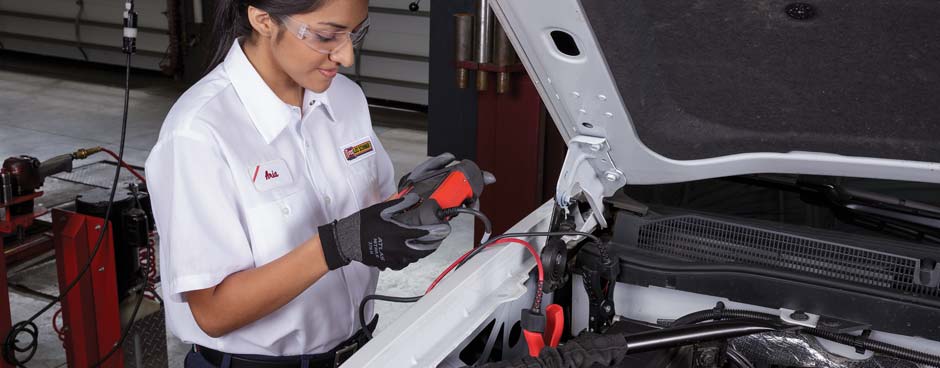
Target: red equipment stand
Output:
{"points": [[10, 225], [90, 311], [5, 323]]}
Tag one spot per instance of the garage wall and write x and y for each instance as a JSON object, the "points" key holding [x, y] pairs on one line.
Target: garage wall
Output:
{"points": [[393, 62], [47, 27]]}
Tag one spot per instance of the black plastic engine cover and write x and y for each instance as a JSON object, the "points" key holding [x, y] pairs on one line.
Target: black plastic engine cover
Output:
{"points": [[866, 280]]}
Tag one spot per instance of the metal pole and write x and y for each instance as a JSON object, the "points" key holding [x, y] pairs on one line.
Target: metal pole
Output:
{"points": [[464, 42], [484, 42], [505, 56]]}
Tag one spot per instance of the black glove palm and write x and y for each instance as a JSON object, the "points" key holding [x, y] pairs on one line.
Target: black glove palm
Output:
{"points": [[376, 238]]}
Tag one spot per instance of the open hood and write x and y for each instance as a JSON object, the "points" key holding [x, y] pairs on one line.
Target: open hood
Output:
{"points": [[653, 91]]}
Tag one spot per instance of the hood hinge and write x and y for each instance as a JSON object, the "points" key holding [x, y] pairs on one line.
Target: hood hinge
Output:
{"points": [[588, 169]]}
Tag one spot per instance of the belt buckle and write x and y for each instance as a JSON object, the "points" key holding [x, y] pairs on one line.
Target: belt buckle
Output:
{"points": [[345, 353]]}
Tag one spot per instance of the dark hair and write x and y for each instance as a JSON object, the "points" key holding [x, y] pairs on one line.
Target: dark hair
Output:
{"points": [[231, 20]]}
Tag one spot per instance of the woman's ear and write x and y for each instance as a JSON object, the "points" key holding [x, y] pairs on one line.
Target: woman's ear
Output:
{"points": [[262, 22]]}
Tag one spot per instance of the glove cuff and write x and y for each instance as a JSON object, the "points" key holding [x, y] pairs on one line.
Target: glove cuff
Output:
{"points": [[331, 250]]}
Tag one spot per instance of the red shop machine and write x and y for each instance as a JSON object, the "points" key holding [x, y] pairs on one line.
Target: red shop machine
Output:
{"points": [[106, 271]]}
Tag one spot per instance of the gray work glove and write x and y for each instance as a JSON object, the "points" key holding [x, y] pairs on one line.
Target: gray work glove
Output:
{"points": [[376, 237], [426, 168]]}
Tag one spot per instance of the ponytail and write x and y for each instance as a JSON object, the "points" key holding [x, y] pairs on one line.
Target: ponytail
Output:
{"points": [[229, 23], [231, 20]]}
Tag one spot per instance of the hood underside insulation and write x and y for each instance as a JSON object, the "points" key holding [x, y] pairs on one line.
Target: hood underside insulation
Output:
{"points": [[705, 79]]}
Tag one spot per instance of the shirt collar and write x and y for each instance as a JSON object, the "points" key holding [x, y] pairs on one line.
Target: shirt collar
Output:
{"points": [[268, 112], [313, 99]]}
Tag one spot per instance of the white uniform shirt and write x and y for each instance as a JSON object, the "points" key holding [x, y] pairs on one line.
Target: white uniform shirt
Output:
{"points": [[238, 178]]}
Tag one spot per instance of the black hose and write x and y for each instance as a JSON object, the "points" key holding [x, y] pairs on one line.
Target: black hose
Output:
{"points": [[737, 359], [718, 313], [846, 339], [877, 346], [393, 299]]}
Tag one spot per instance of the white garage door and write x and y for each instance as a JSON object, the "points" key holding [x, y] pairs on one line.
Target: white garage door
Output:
{"points": [[393, 62]]}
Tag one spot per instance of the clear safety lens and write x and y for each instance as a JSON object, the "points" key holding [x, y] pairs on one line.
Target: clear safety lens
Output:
{"points": [[326, 42]]}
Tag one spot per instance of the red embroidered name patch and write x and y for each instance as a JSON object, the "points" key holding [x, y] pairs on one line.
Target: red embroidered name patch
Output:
{"points": [[270, 175]]}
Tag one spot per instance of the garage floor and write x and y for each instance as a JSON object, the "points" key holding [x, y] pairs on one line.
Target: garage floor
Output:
{"points": [[44, 116]]}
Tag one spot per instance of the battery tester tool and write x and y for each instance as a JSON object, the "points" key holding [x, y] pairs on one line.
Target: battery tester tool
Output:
{"points": [[442, 192]]}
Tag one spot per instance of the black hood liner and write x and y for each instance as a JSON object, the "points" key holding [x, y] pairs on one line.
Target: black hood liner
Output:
{"points": [[712, 78]]}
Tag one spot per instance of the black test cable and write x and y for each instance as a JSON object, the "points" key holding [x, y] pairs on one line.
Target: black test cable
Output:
{"points": [[476, 251], [129, 47], [450, 212], [479, 249], [78, 28], [28, 327]]}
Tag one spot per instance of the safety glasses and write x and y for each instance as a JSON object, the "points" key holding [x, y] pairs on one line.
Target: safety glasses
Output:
{"points": [[326, 42]]}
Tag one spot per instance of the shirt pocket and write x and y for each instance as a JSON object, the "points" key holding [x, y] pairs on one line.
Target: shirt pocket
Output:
{"points": [[364, 179], [279, 225]]}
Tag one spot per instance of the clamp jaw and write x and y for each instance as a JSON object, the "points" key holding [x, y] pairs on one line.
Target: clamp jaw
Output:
{"points": [[588, 169]]}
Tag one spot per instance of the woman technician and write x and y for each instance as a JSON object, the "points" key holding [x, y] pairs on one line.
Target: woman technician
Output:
{"points": [[254, 165]]}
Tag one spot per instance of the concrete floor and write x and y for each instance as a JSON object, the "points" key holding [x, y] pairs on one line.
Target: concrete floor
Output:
{"points": [[45, 116]]}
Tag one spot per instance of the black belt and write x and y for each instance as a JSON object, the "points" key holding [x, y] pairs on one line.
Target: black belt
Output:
{"points": [[330, 359]]}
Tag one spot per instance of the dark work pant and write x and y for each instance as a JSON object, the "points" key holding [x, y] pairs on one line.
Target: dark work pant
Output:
{"points": [[196, 360]]}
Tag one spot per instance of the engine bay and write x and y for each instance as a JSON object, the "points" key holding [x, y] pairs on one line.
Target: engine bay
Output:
{"points": [[671, 245], [712, 277]]}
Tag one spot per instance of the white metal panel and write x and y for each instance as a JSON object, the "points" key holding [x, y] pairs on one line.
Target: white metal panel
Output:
{"points": [[443, 321], [397, 69], [397, 34], [105, 57], [403, 34], [395, 93], [110, 11], [150, 15], [91, 35]]}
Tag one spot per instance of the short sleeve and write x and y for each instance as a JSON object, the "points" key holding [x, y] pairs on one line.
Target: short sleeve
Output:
{"points": [[202, 235]]}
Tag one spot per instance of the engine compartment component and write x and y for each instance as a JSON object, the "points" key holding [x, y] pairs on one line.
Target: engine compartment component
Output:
{"points": [[807, 269], [709, 345], [807, 306], [790, 349], [611, 348]]}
